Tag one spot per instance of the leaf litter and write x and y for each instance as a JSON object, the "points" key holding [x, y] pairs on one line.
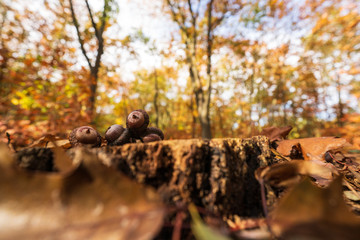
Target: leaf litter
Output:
{"points": [[78, 202], [85, 200], [312, 203]]}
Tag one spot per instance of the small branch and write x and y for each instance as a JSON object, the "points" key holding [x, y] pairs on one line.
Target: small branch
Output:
{"points": [[194, 18], [76, 24], [92, 18], [176, 235], [103, 18], [100, 38], [175, 18], [191, 11]]}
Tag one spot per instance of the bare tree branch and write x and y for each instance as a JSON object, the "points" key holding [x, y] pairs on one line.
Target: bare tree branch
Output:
{"points": [[191, 11], [218, 21], [193, 18], [197, 9], [104, 16], [100, 35], [92, 18], [173, 13], [76, 24]]}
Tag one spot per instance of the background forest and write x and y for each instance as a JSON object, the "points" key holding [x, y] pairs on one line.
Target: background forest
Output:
{"points": [[201, 68]]}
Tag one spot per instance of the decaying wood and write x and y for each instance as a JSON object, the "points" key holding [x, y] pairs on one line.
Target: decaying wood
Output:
{"points": [[217, 175]]}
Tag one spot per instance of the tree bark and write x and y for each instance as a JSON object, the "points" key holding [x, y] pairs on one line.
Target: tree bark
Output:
{"points": [[217, 175], [340, 110], [156, 97]]}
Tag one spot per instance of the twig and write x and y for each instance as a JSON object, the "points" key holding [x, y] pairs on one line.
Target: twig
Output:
{"points": [[176, 235], [352, 189], [10, 145], [263, 201], [92, 18], [81, 41]]}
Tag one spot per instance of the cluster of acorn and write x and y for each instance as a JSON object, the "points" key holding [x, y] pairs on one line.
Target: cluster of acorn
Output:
{"points": [[136, 129]]}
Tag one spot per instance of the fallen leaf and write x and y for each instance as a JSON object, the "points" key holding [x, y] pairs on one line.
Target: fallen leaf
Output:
{"points": [[352, 196], [51, 141], [62, 161], [288, 173], [89, 201], [354, 172], [63, 143], [245, 223], [308, 211], [276, 133], [256, 234], [312, 148]]}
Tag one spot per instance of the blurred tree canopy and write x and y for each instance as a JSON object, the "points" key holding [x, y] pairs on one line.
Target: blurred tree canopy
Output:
{"points": [[223, 69]]}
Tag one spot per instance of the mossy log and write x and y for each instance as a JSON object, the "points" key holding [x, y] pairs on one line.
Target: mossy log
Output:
{"points": [[217, 175]]}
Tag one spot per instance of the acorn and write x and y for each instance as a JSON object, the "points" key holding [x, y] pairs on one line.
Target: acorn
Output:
{"points": [[117, 135], [154, 130], [85, 136], [151, 138], [114, 132], [137, 122]]}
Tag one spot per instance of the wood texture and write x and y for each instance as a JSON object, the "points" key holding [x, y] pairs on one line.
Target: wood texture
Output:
{"points": [[217, 175]]}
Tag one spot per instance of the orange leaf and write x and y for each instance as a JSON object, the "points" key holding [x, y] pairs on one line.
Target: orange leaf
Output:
{"points": [[312, 148]]}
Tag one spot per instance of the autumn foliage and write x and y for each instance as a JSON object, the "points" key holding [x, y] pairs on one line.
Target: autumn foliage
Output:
{"points": [[231, 67]]}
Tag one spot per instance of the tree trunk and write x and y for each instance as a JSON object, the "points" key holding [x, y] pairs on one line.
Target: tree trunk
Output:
{"points": [[193, 123], [217, 175], [205, 124], [156, 101], [92, 98], [94, 67], [340, 110]]}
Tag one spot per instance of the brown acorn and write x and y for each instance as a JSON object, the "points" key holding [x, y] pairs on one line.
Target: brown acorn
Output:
{"points": [[85, 136], [154, 130], [114, 132], [151, 138], [117, 135], [137, 122]]}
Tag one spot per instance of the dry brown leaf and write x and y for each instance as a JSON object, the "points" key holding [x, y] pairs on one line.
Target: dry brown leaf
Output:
{"points": [[312, 148], [62, 161], [308, 211], [90, 201], [63, 143], [288, 173], [51, 141], [276, 133], [245, 223]]}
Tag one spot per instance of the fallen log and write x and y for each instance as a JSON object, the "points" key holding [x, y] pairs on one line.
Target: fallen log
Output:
{"points": [[217, 175]]}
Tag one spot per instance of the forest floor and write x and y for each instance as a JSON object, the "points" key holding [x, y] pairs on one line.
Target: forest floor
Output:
{"points": [[257, 188]]}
